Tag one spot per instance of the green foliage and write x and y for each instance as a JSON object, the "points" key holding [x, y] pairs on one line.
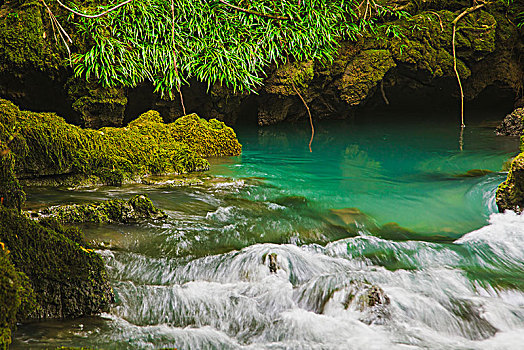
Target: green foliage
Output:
{"points": [[213, 42], [44, 144]]}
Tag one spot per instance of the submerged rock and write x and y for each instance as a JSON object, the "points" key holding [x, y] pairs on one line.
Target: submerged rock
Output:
{"points": [[138, 208], [68, 279], [510, 193], [368, 299], [474, 173], [272, 262], [292, 201], [513, 124]]}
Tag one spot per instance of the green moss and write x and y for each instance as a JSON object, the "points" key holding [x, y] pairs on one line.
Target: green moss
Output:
{"points": [[510, 193], [299, 74], [426, 45], [68, 279], [136, 209], [426, 41], [363, 74], [11, 193], [17, 298], [44, 144], [23, 44], [97, 105]]}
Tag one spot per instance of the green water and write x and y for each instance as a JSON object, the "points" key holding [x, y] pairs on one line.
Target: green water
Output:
{"points": [[382, 202], [408, 172]]}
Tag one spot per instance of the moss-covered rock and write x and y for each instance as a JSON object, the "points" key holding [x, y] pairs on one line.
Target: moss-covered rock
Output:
{"points": [[510, 193], [17, 298], [44, 144], [513, 124], [24, 43], [138, 208], [68, 279], [97, 106], [363, 74]]}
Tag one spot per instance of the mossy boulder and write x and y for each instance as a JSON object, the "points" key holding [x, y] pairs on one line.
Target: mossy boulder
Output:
{"points": [[69, 280], [138, 208], [17, 298], [510, 193], [11, 192], [43, 144]]}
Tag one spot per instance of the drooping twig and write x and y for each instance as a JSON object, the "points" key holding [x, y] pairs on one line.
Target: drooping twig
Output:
{"points": [[93, 16], [455, 21], [439, 19], [61, 31], [260, 14], [174, 54], [386, 101], [308, 112]]}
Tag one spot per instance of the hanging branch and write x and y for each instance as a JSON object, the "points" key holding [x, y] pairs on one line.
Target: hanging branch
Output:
{"points": [[260, 14], [174, 53], [93, 16], [455, 21], [308, 112]]}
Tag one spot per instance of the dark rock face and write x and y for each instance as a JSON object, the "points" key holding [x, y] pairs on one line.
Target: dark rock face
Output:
{"points": [[97, 106], [68, 279], [513, 124], [139, 208]]}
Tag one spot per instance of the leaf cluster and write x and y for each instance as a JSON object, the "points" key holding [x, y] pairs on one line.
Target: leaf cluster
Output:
{"points": [[215, 43]]}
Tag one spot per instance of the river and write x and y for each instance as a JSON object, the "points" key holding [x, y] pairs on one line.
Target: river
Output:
{"points": [[402, 207]]}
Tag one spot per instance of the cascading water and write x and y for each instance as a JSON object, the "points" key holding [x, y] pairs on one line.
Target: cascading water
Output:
{"points": [[362, 244]]}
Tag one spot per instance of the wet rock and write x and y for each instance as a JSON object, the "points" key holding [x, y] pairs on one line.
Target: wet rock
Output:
{"points": [[350, 216], [368, 299], [272, 262], [394, 231], [44, 145], [513, 124], [510, 193], [138, 208], [363, 74]]}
